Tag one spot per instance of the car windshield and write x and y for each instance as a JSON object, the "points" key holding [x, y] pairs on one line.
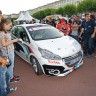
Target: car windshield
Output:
{"points": [[44, 33]]}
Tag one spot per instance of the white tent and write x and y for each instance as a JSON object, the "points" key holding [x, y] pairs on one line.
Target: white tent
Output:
{"points": [[20, 17], [27, 16]]}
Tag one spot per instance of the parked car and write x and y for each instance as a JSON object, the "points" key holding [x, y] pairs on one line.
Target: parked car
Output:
{"points": [[47, 49]]}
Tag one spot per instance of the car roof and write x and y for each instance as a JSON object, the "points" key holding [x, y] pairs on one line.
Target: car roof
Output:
{"points": [[33, 25]]}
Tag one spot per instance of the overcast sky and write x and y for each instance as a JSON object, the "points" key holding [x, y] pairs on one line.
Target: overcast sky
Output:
{"points": [[15, 6]]}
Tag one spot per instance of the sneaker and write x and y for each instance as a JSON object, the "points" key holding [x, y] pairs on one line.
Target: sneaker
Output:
{"points": [[16, 77], [12, 90], [14, 80]]}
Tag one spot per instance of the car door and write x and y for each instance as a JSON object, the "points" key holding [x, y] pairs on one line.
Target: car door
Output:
{"points": [[20, 48]]}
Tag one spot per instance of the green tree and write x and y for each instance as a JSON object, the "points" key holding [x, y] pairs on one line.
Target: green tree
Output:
{"points": [[60, 11], [49, 12], [86, 6], [70, 9], [93, 8], [43, 13], [53, 11], [39, 15]]}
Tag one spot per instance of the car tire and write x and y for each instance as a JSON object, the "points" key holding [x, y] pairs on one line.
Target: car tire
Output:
{"points": [[36, 66]]}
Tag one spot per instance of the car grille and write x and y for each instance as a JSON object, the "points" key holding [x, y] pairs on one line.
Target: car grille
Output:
{"points": [[51, 69], [73, 60]]}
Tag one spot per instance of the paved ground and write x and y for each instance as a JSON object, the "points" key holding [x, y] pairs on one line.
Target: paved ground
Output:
{"points": [[81, 82]]}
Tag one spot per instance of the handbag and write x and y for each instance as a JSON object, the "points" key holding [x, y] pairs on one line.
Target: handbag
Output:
{"points": [[8, 63]]}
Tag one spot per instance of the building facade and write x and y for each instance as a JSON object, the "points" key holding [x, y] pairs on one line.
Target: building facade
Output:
{"points": [[56, 4]]}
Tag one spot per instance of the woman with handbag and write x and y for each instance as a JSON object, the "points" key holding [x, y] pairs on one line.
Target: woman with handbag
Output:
{"points": [[6, 45]]}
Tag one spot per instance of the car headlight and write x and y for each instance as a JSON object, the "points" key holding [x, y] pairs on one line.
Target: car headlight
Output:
{"points": [[48, 55]]}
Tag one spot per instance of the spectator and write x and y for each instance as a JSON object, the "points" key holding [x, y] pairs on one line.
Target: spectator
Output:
{"points": [[74, 33], [43, 21], [79, 22], [4, 83], [50, 21], [70, 26], [33, 21], [7, 47], [59, 25], [65, 28], [89, 29]]}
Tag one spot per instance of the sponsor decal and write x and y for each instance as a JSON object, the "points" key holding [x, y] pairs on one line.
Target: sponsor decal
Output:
{"points": [[30, 49], [53, 62], [73, 68]]}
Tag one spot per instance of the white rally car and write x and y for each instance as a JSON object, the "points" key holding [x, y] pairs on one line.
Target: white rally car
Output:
{"points": [[48, 50]]}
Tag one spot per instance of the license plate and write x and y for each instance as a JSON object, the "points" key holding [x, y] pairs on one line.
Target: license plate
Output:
{"points": [[75, 60]]}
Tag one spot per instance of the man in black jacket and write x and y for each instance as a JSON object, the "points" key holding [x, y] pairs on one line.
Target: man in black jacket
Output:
{"points": [[88, 30]]}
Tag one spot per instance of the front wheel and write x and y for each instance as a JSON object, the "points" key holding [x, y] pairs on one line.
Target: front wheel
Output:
{"points": [[36, 66]]}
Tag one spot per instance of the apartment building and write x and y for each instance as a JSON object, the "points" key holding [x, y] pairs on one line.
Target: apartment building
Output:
{"points": [[56, 4]]}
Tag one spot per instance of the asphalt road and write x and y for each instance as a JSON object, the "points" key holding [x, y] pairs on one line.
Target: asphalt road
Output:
{"points": [[81, 82]]}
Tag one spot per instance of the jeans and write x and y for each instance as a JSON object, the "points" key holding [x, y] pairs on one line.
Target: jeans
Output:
{"points": [[88, 45], [11, 58], [4, 81]]}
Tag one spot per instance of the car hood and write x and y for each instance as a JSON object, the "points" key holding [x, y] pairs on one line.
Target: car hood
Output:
{"points": [[64, 46]]}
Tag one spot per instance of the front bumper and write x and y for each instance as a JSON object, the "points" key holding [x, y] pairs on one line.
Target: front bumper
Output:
{"points": [[65, 66]]}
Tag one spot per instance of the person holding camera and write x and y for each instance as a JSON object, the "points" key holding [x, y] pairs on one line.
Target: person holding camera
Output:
{"points": [[6, 46]]}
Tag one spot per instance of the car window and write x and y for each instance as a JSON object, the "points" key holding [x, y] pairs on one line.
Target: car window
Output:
{"points": [[20, 32], [15, 31], [44, 33]]}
